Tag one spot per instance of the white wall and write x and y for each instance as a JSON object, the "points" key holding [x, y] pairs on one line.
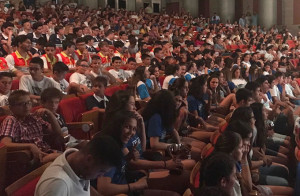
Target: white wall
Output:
{"points": [[213, 7], [191, 6], [139, 4], [287, 12], [130, 5], [247, 6], [267, 14], [226, 10]]}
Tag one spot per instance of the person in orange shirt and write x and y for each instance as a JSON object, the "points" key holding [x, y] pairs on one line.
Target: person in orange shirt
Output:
{"points": [[3, 65], [67, 55], [119, 51], [18, 61], [104, 53], [82, 52], [50, 57]]}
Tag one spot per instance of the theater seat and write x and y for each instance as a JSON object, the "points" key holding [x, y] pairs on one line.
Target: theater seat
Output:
{"points": [[94, 116], [67, 77], [15, 85], [109, 91], [161, 79], [3, 151], [207, 150], [73, 110], [195, 175], [26, 185]]}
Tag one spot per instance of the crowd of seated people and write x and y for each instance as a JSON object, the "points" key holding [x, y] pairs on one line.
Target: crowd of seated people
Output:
{"points": [[188, 104]]}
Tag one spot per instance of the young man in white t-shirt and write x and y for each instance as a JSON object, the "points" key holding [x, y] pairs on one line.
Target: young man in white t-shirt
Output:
{"points": [[81, 79], [5, 87], [59, 73], [120, 74], [99, 70], [71, 172], [36, 82]]}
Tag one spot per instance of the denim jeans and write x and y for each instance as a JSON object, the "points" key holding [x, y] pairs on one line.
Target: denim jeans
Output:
{"points": [[273, 175]]}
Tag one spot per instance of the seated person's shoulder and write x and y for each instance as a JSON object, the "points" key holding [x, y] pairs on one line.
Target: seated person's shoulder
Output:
{"points": [[26, 77], [9, 119]]}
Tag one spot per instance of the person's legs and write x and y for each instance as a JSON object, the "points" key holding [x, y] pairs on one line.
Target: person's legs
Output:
{"points": [[196, 145], [279, 159], [272, 180], [162, 180], [281, 190], [297, 183], [193, 142], [203, 136], [226, 103], [216, 120], [150, 192], [274, 170]]}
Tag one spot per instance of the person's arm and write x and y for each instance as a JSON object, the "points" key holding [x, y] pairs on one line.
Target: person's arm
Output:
{"points": [[176, 137], [141, 130], [112, 79], [139, 164], [51, 119], [296, 89], [106, 187], [36, 152], [256, 164], [246, 173], [153, 78], [75, 83], [115, 75], [155, 144]]}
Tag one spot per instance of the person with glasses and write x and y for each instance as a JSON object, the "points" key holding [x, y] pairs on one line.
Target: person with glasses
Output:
{"points": [[24, 130], [36, 82], [81, 79]]}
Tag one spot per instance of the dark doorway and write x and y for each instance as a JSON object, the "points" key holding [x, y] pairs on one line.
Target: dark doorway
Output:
{"points": [[111, 3], [204, 8], [122, 4], [172, 8], [156, 7]]}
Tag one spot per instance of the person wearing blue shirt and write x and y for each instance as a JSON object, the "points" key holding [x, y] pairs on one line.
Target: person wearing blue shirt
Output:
{"points": [[126, 177], [141, 82], [191, 71], [196, 104]]}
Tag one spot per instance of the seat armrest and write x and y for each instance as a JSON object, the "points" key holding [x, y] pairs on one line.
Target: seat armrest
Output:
{"points": [[253, 193], [23, 156], [84, 126]]}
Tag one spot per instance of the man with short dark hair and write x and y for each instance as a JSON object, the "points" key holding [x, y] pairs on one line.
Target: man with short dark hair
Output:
{"points": [[36, 82], [81, 52], [158, 57], [18, 61], [109, 37], [58, 37], [6, 38], [37, 33], [67, 55], [70, 173]]}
